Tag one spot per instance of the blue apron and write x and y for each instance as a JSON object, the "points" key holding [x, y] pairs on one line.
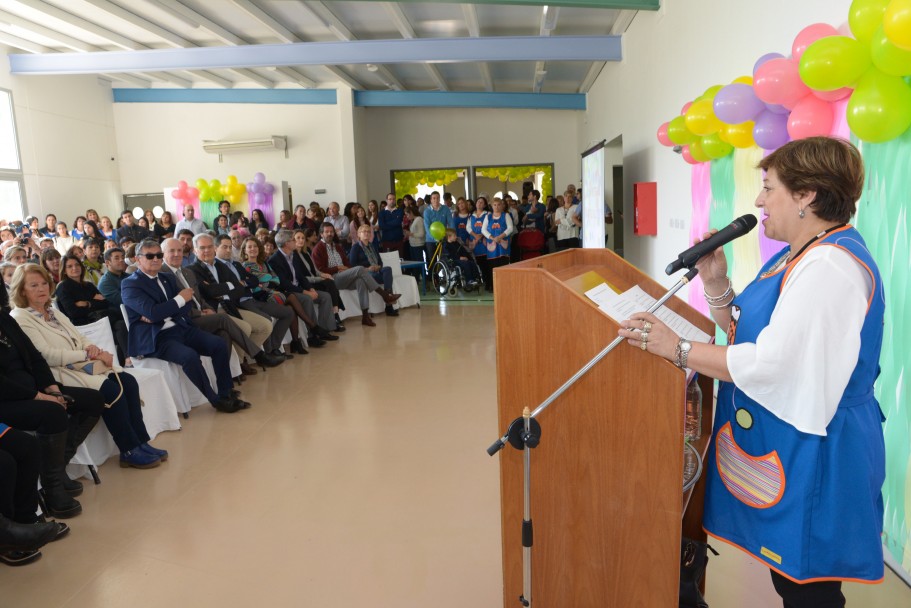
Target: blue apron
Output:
{"points": [[496, 227], [809, 507], [476, 224]]}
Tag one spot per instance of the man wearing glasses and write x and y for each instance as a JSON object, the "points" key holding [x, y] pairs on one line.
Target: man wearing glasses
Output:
{"points": [[160, 327]]}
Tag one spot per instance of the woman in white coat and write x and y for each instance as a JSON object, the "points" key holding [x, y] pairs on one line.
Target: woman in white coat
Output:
{"points": [[70, 355]]}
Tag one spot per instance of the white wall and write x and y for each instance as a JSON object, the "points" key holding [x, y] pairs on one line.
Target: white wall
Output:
{"points": [[424, 138], [670, 57], [65, 126], [161, 143]]}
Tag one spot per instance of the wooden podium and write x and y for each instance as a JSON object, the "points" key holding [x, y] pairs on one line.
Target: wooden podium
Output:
{"points": [[606, 480]]}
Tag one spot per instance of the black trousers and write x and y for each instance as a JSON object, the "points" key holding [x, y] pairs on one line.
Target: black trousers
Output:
{"points": [[824, 594], [19, 464]]}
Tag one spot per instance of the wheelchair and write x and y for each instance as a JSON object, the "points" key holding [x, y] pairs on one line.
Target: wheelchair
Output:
{"points": [[448, 278]]}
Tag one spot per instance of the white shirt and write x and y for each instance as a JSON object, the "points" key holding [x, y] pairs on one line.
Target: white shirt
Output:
{"points": [[195, 225], [823, 304], [566, 228]]}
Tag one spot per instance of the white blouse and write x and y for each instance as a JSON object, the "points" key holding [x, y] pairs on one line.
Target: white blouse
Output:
{"points": [[566, 228], [800, 365]]}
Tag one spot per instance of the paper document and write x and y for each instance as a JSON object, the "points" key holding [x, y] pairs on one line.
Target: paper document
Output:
{"points": [[619, 306]]}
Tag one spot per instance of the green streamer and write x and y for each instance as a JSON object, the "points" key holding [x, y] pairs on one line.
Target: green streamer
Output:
{"points": [[883, 220]]}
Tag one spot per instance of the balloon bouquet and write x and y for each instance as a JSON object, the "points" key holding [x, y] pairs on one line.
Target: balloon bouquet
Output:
{"points": [[798, 96]]}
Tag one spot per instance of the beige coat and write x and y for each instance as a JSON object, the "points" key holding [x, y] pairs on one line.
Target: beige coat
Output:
{"points": [[59, 347]]}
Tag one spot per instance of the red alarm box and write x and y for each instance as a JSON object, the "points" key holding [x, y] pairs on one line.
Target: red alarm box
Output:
{"points": [[645, 208]]}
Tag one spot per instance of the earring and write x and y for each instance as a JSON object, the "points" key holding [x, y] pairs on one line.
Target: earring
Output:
{"points": [[801, 213]]}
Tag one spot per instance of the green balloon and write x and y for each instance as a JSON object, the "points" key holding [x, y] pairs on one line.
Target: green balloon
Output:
{"points": [[834, 62], [678, 133], [880, 107], [437, 231], [887, 57], [714, 148]]}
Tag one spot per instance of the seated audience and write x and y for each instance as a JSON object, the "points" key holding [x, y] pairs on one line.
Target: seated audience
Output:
{"points": [[50, 261], [129, 228], [316, 305], [77, 232], [160, 327], [258, 221], [190, 222], [339, 222], [92, 262], [50, 226], [206, 318], [457, 254], [116, 269], [71, 356], [107, 228], [366, 254], [321, 281], [6, 270], [164, 227], [22, 533], [330, 258]]}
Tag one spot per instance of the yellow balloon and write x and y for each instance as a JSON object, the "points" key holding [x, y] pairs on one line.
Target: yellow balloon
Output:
{"points": [[740, 135], [897, 23], [711, 91], [743, 80], [701, 119], [865, 16]]}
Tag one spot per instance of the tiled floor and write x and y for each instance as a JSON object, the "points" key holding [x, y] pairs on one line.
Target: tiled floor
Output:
{"points": [[359, 478]]}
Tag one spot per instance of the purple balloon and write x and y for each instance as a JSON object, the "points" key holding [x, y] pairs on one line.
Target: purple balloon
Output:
{"points": [[737, 103], [249, 186], [256, 187], [259, 198], [268, 188], [775, 108], [259, 177], [771, 130], [764, 58]]}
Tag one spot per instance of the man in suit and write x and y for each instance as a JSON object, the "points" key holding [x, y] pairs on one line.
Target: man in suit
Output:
{"points": [[221, 288], [293, 282], [206, 318], [330, 258], [160, 327]]}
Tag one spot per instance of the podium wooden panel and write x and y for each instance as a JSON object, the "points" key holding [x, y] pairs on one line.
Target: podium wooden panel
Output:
{"points": [[606, 488]]}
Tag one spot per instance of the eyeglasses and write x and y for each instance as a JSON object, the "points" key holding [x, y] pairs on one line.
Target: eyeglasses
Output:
{"points": [[153, 256]]}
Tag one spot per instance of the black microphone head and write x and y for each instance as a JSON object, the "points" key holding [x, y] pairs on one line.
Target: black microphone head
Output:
{"points": [[746, 222]]}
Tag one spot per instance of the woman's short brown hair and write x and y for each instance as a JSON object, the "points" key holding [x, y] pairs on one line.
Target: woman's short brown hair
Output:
{"points": [[17, 287], [832, 168]]}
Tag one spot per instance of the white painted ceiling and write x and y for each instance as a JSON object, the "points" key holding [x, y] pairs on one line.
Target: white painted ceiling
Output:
{"points": [[53, 26]]}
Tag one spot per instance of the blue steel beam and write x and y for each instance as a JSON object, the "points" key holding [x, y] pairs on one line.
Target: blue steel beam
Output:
{"points": [[418, 50]]}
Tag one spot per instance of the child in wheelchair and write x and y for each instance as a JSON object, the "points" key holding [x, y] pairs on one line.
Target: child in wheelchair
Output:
{"points": [[456, 268]]}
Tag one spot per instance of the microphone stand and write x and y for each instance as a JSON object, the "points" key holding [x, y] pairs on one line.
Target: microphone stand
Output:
{"points": [[524, 433]]}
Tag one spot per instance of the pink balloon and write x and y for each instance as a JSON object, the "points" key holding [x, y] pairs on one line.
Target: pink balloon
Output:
{"points": [[685, 107], [811, 117], [764, 59], [182, 185], [835, 95], [778, 81], [689, 157], [662, 135], [177, 194], [192, 193], [808, 36]]}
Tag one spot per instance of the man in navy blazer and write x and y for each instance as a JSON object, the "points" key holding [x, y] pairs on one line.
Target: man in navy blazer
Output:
{"points": [[160, 327]]}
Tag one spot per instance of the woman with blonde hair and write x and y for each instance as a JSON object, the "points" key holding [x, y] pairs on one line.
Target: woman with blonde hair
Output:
{"points": [[74, 360]]}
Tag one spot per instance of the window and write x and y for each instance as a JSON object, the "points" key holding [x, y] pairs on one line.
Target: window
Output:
{"points": [[12, 192]]}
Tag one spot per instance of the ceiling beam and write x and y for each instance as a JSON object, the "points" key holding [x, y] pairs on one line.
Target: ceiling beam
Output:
{"points": [[135, 80], [549, 16], [419, 50], [9, 19], [636, 5], [474, 30], [83, 24], [591, 76], [23, 44], [287, 36], [407, 31]]}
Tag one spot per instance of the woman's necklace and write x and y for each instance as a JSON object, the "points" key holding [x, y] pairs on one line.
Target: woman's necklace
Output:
{"points": [[785, 259]]}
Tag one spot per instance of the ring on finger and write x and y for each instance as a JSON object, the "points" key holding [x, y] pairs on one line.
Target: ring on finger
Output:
{"points": [[643, 345], [643, 336], [646, 326]]}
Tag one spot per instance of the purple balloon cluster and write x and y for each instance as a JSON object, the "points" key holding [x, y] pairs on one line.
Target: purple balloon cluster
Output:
{"points": [[259, 189]]}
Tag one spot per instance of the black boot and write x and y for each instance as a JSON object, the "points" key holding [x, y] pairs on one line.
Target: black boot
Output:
{"points": [[298, 348], [25, 537], [391, 311], [339, 326], [79, 430], [59, 504]]}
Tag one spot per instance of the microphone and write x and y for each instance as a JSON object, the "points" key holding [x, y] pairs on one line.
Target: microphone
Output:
{"points": [[735, 229]]}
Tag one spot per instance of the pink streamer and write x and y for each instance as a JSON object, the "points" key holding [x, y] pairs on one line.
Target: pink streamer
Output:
{"points": [[699, 223]]}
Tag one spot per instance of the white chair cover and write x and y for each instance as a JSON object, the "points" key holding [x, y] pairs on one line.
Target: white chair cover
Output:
{"points": [[401, 283], [159, 413]]}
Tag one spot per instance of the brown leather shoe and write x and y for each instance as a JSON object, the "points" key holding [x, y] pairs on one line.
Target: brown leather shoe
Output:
{"points": [[247, 369], [366, 320]]}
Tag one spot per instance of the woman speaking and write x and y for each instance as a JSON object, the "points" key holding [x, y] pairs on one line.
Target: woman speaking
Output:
{"points": [[797, 459]]}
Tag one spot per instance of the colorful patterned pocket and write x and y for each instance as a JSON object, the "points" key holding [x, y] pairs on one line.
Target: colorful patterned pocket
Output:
{"points": [[756, 481]]}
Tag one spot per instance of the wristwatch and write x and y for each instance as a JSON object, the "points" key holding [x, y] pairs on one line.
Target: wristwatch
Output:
{"points": [[682, 352]]}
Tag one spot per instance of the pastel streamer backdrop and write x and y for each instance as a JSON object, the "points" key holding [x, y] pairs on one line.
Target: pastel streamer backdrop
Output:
{"points": [[883, 219]]}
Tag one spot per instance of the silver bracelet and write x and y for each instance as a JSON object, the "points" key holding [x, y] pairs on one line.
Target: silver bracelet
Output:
{"points": [[722, 306], [716, 299]]}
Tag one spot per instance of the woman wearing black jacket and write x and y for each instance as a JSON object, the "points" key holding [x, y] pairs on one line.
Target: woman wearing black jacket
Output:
{"points": [[61, 416]]}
